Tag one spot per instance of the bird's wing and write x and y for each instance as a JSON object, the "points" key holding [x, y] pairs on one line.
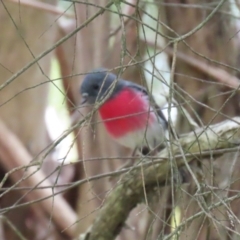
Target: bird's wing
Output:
{"points": [[161, 115]]}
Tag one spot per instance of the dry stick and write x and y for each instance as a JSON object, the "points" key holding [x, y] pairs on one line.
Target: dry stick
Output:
{"points": [[129, 192], [129, 10], [73, 195], [13, 154], [217, 73], [44, 7], [27, 66]]}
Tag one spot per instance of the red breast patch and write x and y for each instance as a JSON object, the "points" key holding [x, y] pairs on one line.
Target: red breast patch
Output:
{"points": [[127, 111]]}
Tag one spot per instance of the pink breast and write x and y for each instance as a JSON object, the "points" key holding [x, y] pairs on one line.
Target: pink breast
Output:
{"points": [[126, 112]]}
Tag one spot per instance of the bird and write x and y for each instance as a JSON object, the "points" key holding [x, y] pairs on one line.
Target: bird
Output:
{"points": [[128, 111]]}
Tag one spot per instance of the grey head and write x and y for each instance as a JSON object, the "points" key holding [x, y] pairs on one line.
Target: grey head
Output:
{"points": [[98, 84]]}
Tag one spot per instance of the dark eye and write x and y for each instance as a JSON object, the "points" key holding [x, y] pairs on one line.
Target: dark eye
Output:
{"points": [[95, 87]]}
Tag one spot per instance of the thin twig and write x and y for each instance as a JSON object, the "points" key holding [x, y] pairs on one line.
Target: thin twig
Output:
{"points": [[130, 192], [14, 155], [217, 73], [44, 7]]}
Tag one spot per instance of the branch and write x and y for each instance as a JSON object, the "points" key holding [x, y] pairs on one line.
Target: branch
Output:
{"points": [[44, 7], [15, 159], [130, 191], [217, 73], [58, 43]]}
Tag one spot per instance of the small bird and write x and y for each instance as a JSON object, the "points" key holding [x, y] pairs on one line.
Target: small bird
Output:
{"points": [[128, 111]]}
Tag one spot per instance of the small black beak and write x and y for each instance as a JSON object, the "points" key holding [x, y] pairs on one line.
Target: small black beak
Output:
{"points": [[84, 98]]}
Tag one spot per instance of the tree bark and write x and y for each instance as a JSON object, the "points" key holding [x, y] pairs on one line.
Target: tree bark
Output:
{"points": [[148, 177]]}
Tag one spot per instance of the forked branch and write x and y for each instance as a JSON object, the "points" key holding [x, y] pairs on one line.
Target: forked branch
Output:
{"points": [[213, 139]]}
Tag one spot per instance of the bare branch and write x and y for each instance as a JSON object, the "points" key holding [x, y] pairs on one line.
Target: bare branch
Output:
{"points": [[44, 7], [58, 43], [129, 192], [14, 155], [217, 73]]}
